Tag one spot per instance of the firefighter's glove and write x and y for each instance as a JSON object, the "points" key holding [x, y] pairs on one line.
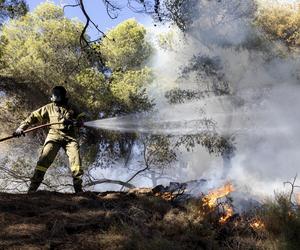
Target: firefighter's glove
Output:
{"points": [[19, 132]]}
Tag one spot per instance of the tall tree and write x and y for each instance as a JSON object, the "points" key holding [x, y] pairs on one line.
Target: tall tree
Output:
{"points": [[125, 51], [42, 48]]}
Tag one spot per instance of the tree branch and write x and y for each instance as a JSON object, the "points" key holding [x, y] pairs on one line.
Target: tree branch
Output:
{"points": [[82, 35], [293, 186], [111, 8], [101, 181], [70, 5]]}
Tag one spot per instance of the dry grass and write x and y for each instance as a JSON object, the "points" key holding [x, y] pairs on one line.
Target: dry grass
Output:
{"points": [[282, 221], [128, 221]]}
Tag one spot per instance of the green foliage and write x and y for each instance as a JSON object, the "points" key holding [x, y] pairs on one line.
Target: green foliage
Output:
{"points": [[178, 95], [42, 47], [212, 141], [128, 88], [125, 47], [166, 40], [125, 51], [93, 90], [282, 221], [208, 73], [158, 152], [49, 11]]}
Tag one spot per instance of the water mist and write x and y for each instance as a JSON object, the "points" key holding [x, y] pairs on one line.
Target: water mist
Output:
{"points": [[260, 112]]}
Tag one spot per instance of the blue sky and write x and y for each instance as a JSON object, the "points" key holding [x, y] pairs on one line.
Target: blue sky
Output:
{"points": [[97, 12]]}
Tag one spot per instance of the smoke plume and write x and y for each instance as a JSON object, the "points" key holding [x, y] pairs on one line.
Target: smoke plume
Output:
{"points": [[261, 111]]}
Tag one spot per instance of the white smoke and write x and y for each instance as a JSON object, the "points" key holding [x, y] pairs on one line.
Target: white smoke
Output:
{"points": [[262, 112]]}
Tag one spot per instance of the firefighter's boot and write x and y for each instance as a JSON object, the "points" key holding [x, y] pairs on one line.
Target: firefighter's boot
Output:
{"points": [[36, 181], [77, 183]]}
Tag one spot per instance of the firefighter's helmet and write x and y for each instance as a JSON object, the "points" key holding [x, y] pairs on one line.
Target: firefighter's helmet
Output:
{"points": [[59, 94]]}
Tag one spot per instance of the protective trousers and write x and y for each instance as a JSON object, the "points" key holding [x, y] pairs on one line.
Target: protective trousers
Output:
{"points": [[48, 155]]}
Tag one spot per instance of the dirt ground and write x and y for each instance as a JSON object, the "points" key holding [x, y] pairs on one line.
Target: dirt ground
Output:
{"points": [[47, 220]]}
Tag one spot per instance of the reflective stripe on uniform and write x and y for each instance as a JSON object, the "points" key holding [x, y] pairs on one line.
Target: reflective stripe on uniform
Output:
{"points": [[41, 168]]}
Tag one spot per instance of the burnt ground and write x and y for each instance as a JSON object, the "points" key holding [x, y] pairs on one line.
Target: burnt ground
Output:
{"points": [[118, 220]]}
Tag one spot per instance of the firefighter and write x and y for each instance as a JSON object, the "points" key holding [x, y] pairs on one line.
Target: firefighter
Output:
{"points": [[60, 136]]}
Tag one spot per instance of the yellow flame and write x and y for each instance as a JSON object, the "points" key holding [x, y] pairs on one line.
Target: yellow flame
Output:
{"points": [[228, 213], [257, 224], [211, 198], [168, 196]]}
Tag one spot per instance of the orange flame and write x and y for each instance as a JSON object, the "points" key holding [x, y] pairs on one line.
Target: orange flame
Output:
{"points": [[211, 198], [168, 196], [257, 224], [228, 213]]}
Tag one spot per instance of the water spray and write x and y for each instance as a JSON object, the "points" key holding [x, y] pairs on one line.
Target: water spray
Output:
{"points": [[133, 124], [159, 124]]}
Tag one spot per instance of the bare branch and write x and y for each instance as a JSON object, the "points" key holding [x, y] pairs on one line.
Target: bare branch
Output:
{"points": [[82, 35], [111, 9], [141, 170], [70, 5], [101, 181], [293, 186], [137, 173]]}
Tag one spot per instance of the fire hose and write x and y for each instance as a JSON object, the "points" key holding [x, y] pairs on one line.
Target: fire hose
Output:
{"points": [[35, 128]]}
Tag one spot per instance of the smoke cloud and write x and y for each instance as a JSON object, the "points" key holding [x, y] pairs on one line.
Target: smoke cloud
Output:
{"points": [[261, 111]]}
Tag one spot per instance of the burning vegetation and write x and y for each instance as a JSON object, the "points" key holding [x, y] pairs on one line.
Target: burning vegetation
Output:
{"points": [[145, 219], [257, 224]]}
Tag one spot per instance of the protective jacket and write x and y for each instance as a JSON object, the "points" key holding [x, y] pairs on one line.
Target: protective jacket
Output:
{"points": [[54, 113]]}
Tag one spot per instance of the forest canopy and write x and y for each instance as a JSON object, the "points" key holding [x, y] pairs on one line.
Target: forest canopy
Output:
{"points": [[42, 49]]}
